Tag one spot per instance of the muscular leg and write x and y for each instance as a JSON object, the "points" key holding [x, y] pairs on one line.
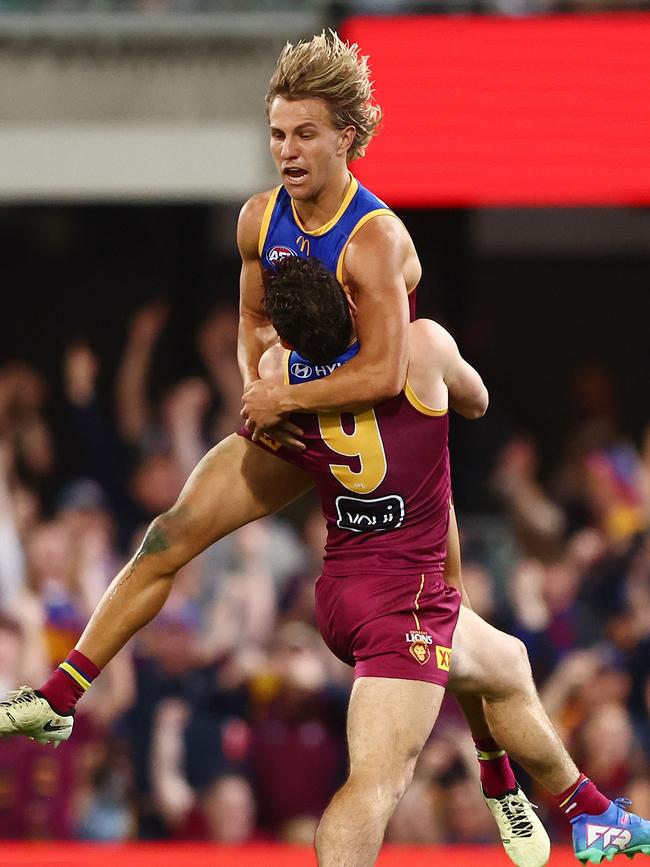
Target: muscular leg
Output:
{"points": [[470, 705], [235, 483], [389, 722], [494, 665]]}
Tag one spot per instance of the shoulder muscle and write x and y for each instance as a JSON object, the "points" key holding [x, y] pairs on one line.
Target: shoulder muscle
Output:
{"points": [[429, 342], [429, 339], [380, 244], [430, 348], [249, 224], [271, 366]]}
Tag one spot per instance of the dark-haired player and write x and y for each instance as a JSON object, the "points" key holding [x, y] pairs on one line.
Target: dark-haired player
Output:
{"points": [[382, 603]]}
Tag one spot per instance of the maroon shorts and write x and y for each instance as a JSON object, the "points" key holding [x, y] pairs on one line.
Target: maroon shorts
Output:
{"points": [[397, 626]]}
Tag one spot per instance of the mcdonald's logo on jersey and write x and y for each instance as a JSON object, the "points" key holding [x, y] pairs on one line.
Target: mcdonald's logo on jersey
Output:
{"points": [[304, 244]]}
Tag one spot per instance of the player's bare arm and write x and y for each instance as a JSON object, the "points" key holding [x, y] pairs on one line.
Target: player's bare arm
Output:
{"points": [[467, 394], [438, 373], [379, 261], [255, 331], [453, 568]]}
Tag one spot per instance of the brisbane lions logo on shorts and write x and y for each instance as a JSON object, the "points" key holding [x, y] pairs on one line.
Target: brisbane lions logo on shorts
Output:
{"points": [[421, 653], [278, 252], [418, 643]]}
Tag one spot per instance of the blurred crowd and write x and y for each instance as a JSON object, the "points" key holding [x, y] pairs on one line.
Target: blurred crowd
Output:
{"points": [[224, 719]]}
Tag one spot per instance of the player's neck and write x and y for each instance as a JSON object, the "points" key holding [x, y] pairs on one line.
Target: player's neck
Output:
{"points": [[314, 213]]}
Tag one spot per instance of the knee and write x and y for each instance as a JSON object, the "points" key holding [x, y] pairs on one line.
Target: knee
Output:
{"points": [[396, 787], [385, 792], [516, 662], [402, 782], [165, 539]]}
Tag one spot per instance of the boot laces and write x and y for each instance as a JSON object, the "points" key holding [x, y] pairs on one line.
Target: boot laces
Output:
{"points": [[514, 809], [24, 695]]}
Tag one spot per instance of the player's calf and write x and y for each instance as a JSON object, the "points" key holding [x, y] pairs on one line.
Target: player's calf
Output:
{"points": [[352, 828]]}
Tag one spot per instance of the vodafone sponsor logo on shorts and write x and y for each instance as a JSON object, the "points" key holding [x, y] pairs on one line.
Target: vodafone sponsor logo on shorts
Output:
{"points": [[279, 252]]}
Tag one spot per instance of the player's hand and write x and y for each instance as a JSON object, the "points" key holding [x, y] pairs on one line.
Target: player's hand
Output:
{"points": [[287, 434], [262, 407]]}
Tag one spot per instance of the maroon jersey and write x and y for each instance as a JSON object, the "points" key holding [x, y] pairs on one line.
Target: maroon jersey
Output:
{"points": [[384, 482]]}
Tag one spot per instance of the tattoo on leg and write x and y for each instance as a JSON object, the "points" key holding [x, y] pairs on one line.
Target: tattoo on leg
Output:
{"points": [[154, 542], [130, 572]]}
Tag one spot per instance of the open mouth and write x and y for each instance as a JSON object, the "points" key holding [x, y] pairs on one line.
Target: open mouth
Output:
{"points": [[294, 174]]}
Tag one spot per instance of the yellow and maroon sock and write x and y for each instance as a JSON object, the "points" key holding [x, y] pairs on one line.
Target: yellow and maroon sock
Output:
{"points": [[69, 682], [582, 797], [497, 776]]}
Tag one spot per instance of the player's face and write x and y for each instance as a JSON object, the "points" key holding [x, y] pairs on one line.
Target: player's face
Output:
{"points": [[307, 149]]}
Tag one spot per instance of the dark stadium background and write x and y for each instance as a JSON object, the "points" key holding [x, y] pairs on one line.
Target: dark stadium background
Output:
{"points": [[530, 321]]}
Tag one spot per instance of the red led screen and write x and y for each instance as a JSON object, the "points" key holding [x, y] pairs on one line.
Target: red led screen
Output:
{"points": [[498, 111]]}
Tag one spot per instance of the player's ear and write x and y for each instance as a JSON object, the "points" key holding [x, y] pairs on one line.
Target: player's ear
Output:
{"points": [[346, 137]]}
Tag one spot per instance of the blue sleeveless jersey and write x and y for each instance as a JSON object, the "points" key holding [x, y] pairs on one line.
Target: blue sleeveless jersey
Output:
{"points": [[282, 234], [302, 370]]}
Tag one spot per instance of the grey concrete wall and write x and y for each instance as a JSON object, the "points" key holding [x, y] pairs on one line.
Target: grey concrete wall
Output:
{"points": [[115, 113]]}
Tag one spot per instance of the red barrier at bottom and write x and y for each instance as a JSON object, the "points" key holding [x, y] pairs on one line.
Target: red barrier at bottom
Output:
{"points": [[267, 855]]}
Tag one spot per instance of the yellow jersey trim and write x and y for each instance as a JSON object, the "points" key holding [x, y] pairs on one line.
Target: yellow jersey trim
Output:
{"points": [[74, 674], [266, 219], [287, 356], [416, 403], [362, 222], [353, 186]]}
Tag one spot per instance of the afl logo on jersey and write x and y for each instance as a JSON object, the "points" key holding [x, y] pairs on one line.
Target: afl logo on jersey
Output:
{"points": [[302, 371], [276, 253]]}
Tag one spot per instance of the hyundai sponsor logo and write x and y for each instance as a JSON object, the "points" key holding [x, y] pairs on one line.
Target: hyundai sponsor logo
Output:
{"points": [[302, 371]]}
